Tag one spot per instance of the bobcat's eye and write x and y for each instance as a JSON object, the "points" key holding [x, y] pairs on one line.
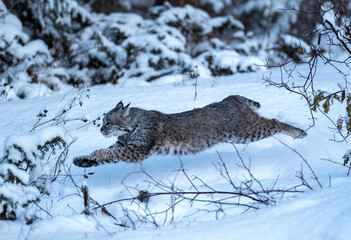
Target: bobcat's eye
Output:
{"points": [[107, 123]]}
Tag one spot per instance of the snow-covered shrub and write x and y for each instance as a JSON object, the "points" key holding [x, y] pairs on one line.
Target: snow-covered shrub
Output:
{"points": [[156, 50], [26, 171], [215, 6], [256, 14], [26, 69], [15, 194], [110, 6], [124, 46], [53, 21], [211, 41], [39, 66], [32, 153], [196, 25], [190, 21], [97, 51], [283, 26], [292, 48], [88, 48], [228, 62]]}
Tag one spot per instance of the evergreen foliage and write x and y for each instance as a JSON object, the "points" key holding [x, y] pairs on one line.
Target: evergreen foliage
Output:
{"points": [[26, 171]]}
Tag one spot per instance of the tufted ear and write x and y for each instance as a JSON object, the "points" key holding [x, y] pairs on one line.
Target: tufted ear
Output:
{"points": [[126, 110], [119, 105]]}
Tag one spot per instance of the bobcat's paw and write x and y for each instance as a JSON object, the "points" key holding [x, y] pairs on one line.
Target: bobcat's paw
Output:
{"points": [[84, 161]]}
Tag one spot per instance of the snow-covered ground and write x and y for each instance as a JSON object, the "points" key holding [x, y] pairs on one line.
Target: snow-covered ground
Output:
{"points": [[321, 213]]}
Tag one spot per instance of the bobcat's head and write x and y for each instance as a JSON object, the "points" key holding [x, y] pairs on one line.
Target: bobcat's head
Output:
{"points": [[117, 121]]}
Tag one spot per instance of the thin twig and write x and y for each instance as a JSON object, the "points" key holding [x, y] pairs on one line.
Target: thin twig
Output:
{"points": [[304, 159]]}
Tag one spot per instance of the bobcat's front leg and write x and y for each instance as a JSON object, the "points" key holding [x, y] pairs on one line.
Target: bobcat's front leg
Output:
{"points": [[133, 148], [96, 158], [115, 153]]}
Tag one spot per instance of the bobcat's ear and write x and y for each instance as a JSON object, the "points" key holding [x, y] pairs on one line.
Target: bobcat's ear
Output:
{"points": [[126, 110], [119, 105]]}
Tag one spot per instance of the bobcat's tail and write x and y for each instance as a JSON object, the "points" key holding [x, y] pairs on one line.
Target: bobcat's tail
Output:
{"points": [[292, 131], [252, 104]]}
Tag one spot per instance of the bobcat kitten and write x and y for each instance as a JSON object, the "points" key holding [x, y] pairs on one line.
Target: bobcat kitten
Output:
{"points": [[142, 133]]}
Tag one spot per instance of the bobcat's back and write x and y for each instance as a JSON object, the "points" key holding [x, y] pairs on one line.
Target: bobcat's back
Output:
{"points": [[195, 130]]}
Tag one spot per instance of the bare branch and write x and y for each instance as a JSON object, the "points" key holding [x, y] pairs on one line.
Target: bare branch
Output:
{"points": [[303, 159]]}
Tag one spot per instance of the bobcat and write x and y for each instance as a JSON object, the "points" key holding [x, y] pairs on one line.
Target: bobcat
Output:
{"points": [[142, 133]]}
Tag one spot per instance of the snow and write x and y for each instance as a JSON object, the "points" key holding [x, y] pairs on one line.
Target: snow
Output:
{"points": [[217, 5], [15, 198], [30, 142], [23, 54], [329, 14], [220, 21], [162, 46], [11, 191], [311, 215], [20, 174], [227, 62], [11, 27], [118, 48], [127, 24], [31, 49], [188, 13], [26, 160], [295, 42]]}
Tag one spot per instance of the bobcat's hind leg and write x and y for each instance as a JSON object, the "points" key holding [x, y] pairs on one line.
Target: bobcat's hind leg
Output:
{"points": [[292, 131], [260, 128]]}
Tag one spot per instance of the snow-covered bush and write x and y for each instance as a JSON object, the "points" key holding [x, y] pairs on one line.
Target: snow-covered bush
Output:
{"points": [[15, 194], [25, 69], [211, 41], [33, 153], [110, 6], [228, 62], [278, 26], [196, 25], [124, 46], [292, 48], [34, 46], [156, 50], [53, 21], [27, 170], [97, 52], [216, 6], [79, 47]]}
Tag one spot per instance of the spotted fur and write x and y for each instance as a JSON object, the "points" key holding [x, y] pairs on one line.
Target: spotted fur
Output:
{"points": [[142, 133]]}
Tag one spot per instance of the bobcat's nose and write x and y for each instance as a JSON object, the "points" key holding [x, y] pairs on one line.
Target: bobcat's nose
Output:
{"points": [[102, 128]]}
